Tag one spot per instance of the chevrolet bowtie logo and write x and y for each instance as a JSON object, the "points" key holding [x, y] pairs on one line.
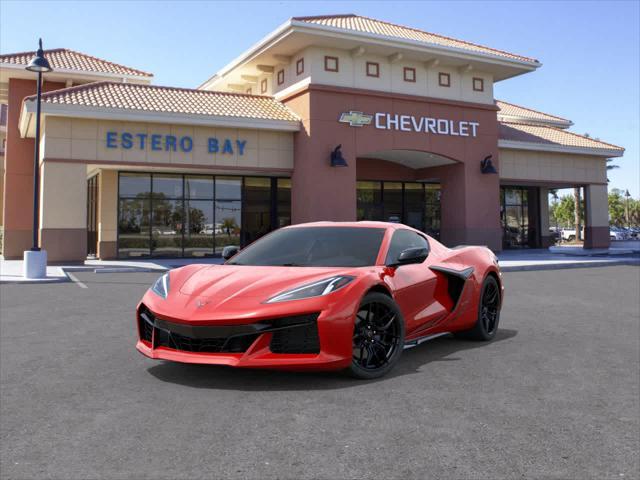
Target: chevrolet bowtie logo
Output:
{"points": [[355, 119]]}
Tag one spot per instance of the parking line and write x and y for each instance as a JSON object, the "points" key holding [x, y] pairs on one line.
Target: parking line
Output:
{"points": [[75, 280]]}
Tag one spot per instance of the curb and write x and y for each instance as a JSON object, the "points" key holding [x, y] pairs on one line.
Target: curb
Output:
{"points": [[567, 266]]}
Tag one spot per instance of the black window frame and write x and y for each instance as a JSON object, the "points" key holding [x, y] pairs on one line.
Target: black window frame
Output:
{"points": [[274, 207]]}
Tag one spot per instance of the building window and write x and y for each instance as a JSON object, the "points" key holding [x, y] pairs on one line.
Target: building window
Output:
{"points": [[444, 79], [300, 66], [172, 215], [330, 64], [248, 91], [409, 74], [280, 77], [412, 203], [263, 86], [478, 84], [373, 69]]}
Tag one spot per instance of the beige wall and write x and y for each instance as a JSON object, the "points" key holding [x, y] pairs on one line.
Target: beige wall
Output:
{"points": [[597, 206], [551, 167], [108, 206], [352, 73], [63, 195], [80, 139]]}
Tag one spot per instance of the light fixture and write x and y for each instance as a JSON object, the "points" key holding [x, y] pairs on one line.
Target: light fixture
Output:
{"points": [[486, 166], [39, 62], [337, 160]]}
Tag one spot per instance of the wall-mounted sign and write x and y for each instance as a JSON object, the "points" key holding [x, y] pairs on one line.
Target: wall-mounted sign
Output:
{"points": [[411, 123], [171, 143]]}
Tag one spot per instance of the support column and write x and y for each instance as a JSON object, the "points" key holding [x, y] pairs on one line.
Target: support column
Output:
{"points": [[546, 240], [107, 214], [596, 216], [63, 207], [470, 206], [318, 190], [18, 174]]}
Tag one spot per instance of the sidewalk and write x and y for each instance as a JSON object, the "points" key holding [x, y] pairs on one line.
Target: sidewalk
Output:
{"points": [[510, 261]]}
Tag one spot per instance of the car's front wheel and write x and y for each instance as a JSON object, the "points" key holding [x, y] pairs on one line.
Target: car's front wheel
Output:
{"points": [[378, 336]]}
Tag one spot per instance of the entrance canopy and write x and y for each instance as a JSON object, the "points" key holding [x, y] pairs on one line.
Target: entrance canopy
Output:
{"points": [[410, 158]]}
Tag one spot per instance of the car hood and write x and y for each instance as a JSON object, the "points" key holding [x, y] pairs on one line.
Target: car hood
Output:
{"points": [[234, 282]]}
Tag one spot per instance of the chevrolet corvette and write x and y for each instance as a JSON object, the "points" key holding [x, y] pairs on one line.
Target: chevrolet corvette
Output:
{"points": [[322, 296]]}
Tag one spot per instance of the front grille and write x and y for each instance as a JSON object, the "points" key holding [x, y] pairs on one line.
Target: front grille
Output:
{"points": [[297, 334]]}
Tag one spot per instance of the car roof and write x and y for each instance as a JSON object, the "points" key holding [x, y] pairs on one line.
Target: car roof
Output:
{"points": [[360, 224]]}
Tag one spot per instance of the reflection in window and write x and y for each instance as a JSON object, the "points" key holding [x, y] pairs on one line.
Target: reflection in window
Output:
{"points": [[171, 215], [283, 205], [133, 227], [412, 203]]}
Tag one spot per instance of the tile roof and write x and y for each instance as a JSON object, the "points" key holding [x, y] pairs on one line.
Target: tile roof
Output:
{"points": [[370, 25], [152, 98], [544, 135], [65, 59], [512, 110]]}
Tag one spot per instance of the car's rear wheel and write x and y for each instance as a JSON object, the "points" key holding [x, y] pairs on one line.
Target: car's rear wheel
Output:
{"points": [[488, 312], [378, 337]]}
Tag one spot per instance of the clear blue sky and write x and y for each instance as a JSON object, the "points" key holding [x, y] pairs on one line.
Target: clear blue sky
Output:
{"points": [[589, 50]]}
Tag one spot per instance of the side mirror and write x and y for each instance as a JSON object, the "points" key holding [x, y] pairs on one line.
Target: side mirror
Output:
{"points": [[229, 251], [411, 255]]}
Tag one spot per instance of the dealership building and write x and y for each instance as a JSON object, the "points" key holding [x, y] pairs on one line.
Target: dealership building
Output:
{"points": [[327, 118]]}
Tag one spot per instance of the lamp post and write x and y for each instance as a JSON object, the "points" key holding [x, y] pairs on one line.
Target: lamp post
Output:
{"points": [[626, 208], [35, 260]]}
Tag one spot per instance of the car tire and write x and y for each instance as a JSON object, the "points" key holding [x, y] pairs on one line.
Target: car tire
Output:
{"points": [[488, 315], [378, 337], [571, 238]]}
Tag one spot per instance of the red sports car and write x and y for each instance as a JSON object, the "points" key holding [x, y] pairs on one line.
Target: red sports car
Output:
{"points": [[322, 296]]}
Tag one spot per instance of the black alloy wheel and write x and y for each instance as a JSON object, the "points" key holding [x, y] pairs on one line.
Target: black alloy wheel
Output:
{"points": [[490, 306], [488, 312], [378, 336]]}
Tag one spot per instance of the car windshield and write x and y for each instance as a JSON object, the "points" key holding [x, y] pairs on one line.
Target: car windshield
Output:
{"points": [[314, 247]]}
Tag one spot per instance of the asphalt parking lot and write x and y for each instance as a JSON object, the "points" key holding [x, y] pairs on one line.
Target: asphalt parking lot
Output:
{"points": [[555, 396]]}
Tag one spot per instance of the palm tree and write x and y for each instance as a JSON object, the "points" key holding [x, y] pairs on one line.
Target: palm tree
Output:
{"points": [[611, 167]]}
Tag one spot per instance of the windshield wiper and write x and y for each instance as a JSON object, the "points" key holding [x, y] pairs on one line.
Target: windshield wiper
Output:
{"points": [[291, 265]]}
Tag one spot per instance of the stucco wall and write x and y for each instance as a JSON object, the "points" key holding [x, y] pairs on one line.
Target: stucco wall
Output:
{"points": [[85, 140], [551, 167]]}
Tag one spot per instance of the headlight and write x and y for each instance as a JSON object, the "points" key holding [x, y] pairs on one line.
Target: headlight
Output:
{"points": [[316, 289], [161, 286]]}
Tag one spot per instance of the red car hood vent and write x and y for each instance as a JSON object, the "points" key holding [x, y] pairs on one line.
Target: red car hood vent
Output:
{"points": [[228, 281]]}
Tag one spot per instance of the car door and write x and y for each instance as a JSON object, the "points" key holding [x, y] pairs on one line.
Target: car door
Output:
{"points": [[414, 284]]}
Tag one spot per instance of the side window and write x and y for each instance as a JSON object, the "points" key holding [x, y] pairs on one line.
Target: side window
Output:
{"points": [[403, 239]]}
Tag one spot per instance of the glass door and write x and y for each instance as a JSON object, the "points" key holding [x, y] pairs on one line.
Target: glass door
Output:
{"points": [[92, 216]]}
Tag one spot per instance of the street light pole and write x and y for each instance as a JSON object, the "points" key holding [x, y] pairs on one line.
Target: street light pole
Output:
{"points": [[36, 171], [626, 208], [35, 260]]}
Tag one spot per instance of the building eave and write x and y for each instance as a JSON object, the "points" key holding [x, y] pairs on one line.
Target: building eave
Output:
{"points": [[532, 121], [541, 147], [296, 26], [64, 72], [129, 115]]}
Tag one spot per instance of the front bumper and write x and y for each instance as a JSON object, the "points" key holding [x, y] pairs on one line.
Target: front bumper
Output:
{"points": [[313, 341]]}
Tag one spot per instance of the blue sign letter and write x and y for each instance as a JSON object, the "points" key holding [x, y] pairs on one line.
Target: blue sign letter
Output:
{"points": [[126, 140], [155, 142], [186, 144], [241, 144], [111, 140], [213, 145], [142, 137], [227, 147], [170, 143]]}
